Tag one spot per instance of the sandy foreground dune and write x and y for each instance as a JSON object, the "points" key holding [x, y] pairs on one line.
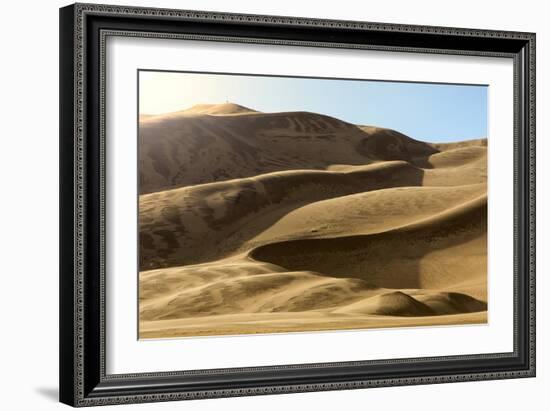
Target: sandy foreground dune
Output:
{"points": [[259, 223]]}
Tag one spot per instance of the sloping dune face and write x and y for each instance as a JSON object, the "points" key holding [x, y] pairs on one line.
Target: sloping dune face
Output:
{"points": [[257, 223], [195, 146]]}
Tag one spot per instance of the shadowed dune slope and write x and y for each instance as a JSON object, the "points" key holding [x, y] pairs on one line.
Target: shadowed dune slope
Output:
{"points": [[386, 144]]}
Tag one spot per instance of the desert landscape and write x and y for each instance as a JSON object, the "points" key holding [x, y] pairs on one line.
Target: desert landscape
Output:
{"points": [[254, 222]]}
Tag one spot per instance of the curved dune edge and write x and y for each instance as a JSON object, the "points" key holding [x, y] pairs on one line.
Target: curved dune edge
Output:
{"points": [[374, 257]]}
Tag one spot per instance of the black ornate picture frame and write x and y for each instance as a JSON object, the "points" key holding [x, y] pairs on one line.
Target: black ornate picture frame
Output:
{"points": [[83, 32]]}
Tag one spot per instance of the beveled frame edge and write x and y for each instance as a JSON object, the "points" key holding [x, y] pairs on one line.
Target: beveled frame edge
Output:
{"points": [[73, 197]]}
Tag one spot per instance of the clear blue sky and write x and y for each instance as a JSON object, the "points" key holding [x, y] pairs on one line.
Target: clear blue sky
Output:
{"points": [[424, 111]]}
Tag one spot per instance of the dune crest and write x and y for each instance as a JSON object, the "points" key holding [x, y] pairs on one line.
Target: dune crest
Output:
{"points": [[257, 222], [219, 109]]}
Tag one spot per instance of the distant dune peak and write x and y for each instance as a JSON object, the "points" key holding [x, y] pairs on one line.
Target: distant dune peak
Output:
{"points": [[224, 108]]}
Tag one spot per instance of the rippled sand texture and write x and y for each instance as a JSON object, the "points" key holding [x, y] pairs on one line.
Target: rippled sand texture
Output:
{"points": [[282, 222]]}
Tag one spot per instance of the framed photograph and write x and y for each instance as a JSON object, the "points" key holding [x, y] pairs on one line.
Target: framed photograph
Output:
{"points": [[260, 204]]}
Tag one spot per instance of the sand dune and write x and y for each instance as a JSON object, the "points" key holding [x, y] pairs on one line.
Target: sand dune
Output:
{"points": [[195, 147], [253, 222], [368, 212], [175, 223], [394, 258]]}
